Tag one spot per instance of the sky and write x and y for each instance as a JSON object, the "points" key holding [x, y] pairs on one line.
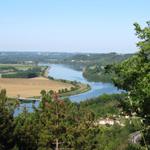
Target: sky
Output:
{"points": [[99, 26]]}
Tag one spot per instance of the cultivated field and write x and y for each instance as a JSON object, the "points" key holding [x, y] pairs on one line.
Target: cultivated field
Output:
{"points": [[30, 87]]}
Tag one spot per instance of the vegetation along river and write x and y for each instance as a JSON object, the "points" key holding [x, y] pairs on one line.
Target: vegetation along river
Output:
{"points": [[60, 71]]}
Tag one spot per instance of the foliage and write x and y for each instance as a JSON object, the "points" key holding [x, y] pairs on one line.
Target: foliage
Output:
{"points": [[6, 123], [133, 75], [105, 105], [95, 71], [26, 131], [2, 68], [30, 73], [93, 74], [60, 123]]}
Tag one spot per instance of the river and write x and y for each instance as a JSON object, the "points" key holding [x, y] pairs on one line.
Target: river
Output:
{"points": [[60, 71]]}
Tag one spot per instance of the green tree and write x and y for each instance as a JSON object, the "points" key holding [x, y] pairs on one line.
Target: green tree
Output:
{"points": [[26, 131], [133, 75], [64, 124], [6, 123]]}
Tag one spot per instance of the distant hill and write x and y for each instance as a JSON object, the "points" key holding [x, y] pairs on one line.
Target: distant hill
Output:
{"points": [[92, 63]]}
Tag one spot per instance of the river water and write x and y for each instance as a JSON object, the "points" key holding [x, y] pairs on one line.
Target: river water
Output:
{"points": [[60, 71]]}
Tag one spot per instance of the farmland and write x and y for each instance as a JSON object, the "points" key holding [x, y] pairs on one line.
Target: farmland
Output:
{"points": [[30, 87]]}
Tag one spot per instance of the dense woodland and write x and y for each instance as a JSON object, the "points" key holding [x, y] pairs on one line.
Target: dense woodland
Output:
{"points": [[61, 124]]}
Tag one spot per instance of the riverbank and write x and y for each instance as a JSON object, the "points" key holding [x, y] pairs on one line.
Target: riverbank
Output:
{"points": [[78, 87], [31, 87], [46, 71], [65, 73], [95, 74], [82, 89]]}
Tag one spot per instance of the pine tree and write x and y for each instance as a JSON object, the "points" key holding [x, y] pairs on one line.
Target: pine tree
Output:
{"points": [[6, 123]]}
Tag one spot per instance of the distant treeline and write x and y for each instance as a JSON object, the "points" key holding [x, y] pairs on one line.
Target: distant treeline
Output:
{"points": [[2, 68], [30, 73], [71, 58], [31, 57]]}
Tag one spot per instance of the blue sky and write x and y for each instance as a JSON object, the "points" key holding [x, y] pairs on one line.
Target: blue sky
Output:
{"points": [[71, 25]]}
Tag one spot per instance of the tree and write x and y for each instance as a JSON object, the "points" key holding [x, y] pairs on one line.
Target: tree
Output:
{"points": [[26, 131], [6, 123], [64, 124], [133, 75], [55, 123]]}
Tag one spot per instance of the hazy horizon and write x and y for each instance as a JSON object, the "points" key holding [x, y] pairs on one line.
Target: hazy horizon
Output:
{"points": [[71, 26], [71, 52]]}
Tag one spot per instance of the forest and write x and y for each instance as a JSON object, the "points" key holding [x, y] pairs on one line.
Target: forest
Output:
{"points": [[62, 124]]}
